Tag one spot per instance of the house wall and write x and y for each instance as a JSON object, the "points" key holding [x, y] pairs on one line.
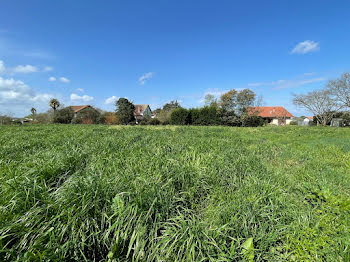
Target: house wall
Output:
{"points": [[147, 112], [288, 121], [274, 122]]}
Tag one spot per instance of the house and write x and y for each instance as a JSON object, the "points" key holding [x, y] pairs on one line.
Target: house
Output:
{"points": [[77, 109], [304, 121], [142, 111], [308, 120], [274, 115]]}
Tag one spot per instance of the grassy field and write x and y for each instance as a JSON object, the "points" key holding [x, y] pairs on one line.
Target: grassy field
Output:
{"points": [[92, 193]]}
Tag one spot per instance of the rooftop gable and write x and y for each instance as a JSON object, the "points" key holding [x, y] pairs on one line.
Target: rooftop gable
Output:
{"points": [[140, 109], [76, 109]]}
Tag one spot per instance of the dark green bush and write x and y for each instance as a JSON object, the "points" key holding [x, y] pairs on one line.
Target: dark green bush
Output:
{"points": [[180, 116], [154, 122], [293, 123], [229, 118], [64, 116], [252, 121], [143, 122], [204, 116]]}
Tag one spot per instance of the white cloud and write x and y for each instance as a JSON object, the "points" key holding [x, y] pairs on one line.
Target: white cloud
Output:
{"points": [[84, 98], [80, 89], [64, 80], [2, 67], [52, 79], [111, 100], [47, 69], [289, 83], [306, 47], [143, 79], [17, 97], [25, 69]]}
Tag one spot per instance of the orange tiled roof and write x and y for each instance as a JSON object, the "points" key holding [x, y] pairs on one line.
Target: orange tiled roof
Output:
{"points": [[269, 111]]}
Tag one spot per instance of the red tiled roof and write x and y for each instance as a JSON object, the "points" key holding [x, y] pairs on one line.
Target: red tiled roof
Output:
{"points": [[269, 111], [310, 117], [76, 109]]}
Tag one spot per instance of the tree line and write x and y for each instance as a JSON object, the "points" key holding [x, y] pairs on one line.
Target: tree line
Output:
{"points": [[230, 109]]}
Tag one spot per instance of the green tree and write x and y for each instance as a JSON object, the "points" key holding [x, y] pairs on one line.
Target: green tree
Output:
{"points": [[125, 111], [64, 116], [54, 104], [228, 101], [171, 106], [245, 98], [210, 100], [33, 111]]}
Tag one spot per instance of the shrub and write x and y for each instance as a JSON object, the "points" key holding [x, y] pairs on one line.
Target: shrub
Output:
{"points": [[252, 121], [5, 120], [110, 118], [88, 115], [229, 118], [293, 123], [204, 116], [44, 118], [154, 122], [64, 116], [180, 116], [143, 122]]}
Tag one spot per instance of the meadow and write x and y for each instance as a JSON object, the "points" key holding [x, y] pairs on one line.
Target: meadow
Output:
{"points": [[172, 193]]}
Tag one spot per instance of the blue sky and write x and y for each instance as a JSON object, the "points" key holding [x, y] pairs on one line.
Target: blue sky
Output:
{"points": [[91, 52]]}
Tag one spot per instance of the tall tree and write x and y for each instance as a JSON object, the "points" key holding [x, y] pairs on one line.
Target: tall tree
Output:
{"points": [[125, 110], [33, 111], [54, 104], [171, 106], [340, 89], [320, 103], [245, 99], [228, 101], [210, 100]]}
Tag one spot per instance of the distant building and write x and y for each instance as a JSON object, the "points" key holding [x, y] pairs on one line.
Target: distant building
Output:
{"points": [[274, 115], [337, 122], [77, 109], [142, 111]]}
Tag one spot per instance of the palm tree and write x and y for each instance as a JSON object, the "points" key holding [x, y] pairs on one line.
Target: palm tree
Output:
{"points": [[54, 103], [33, 110]]}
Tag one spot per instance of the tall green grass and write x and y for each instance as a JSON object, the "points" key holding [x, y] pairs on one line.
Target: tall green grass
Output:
{"points": [[97, 193]]}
